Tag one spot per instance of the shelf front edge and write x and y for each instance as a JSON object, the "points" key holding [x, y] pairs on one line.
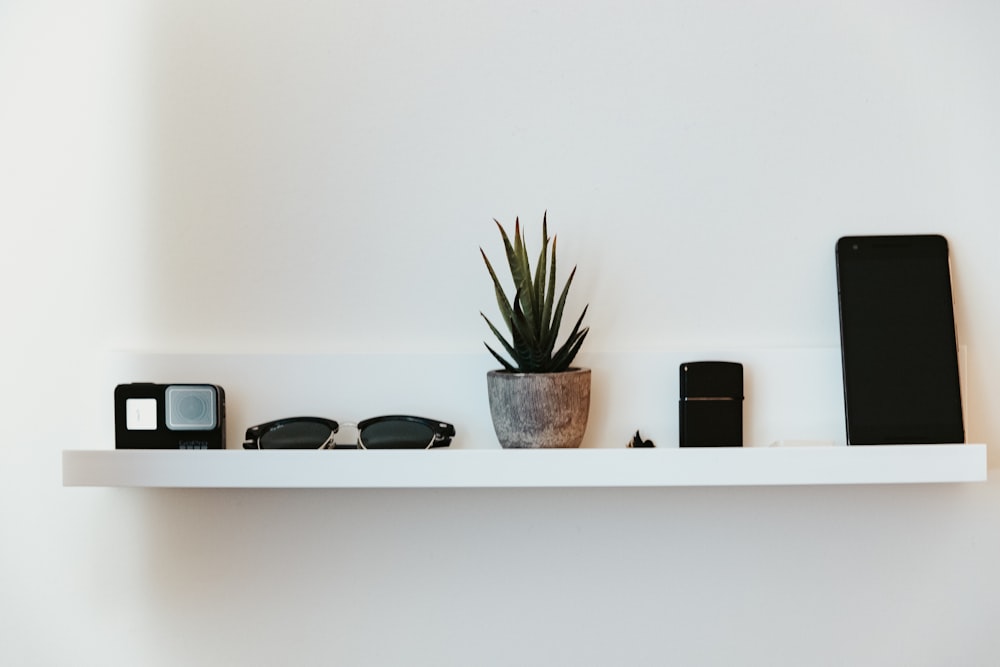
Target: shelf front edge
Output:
{"points": [[469, 468]]}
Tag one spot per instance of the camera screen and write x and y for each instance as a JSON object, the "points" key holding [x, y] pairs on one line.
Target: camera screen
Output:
{"points": [[140, 414]]}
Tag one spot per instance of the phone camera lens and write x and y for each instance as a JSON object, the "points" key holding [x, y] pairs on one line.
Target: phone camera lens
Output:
{"points": [[854, 247]]}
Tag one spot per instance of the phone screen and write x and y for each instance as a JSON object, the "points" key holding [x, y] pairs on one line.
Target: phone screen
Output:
{"points": [[897, 333]]}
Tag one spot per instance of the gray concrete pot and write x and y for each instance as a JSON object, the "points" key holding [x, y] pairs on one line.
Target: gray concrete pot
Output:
{"points": [[539, 409]]}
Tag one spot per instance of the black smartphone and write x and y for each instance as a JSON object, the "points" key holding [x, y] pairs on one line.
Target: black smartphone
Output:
{"points": [[898, 342]]}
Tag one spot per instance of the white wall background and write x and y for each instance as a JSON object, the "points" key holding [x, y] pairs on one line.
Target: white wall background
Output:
{"points": [[318, 177]]}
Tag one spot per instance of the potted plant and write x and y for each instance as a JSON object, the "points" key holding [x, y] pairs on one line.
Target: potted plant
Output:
{"points": [[538, 399]]}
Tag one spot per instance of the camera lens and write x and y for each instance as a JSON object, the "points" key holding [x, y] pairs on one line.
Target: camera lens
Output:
{"points": [[854, 247], [191, 407]]}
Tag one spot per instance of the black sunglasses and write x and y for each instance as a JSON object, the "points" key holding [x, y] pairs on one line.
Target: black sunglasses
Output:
{"points": [[390, 432]]}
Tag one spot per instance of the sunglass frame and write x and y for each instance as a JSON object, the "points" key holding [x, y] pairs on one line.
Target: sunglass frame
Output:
{"points": [[442, 432]]}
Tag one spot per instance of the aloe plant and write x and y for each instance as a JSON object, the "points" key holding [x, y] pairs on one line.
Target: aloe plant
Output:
{"points": [[533, 316]]}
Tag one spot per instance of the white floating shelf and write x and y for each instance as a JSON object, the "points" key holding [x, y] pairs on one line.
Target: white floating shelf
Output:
{"points": [[496, 468]]}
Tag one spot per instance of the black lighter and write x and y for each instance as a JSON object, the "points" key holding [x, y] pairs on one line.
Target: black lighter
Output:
{"points": [[711, 404]]}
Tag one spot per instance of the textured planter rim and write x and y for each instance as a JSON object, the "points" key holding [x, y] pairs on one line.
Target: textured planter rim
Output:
{"points": [[569, 371], [539, 410]]}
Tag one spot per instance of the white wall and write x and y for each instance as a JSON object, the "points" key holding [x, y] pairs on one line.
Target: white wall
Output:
{"points": [[318, 177]]}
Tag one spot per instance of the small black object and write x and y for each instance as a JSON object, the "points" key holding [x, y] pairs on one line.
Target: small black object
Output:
{"points": [[711, 404], [170, 416], [637, 441]]}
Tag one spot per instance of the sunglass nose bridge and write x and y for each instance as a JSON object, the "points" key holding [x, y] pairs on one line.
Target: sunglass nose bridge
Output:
{"points": [[348, 434]]}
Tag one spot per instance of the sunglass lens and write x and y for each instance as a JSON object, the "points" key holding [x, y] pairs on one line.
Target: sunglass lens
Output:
{"points": [[296, 435], [396, 434]]}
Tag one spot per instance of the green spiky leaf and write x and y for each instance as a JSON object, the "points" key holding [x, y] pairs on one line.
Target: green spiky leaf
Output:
{"points": [[534, 315]]}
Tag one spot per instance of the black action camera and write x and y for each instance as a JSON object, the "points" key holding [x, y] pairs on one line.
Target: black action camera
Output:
{"points": [[170, 416]]}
